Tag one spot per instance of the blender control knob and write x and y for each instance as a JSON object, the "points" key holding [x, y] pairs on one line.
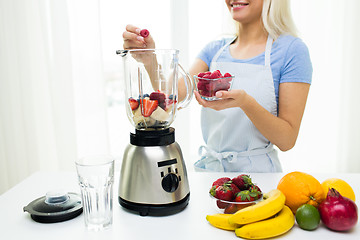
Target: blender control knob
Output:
{"points": [[170, 182]]}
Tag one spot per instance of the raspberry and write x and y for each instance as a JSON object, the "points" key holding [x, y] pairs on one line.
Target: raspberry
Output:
{"points": [[144, 33], [201, 85], [215, 74], [227, 75], [160, 97], [200, 75], [206, 76]]}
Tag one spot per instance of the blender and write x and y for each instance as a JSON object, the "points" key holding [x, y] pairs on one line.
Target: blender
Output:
{"points": [[153, 177]]}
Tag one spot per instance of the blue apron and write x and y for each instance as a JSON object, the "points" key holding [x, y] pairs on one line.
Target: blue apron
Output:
{"points": [[233, 143]]}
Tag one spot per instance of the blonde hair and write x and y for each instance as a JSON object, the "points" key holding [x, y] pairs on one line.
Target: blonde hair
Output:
{"points": [[277, 19]]}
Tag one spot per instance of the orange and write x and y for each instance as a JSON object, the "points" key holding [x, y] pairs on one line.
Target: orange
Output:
{"points": [[301, 188], [340, 185]]}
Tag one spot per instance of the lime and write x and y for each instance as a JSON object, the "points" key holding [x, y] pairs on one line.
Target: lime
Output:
{"points": [[307, 217]]}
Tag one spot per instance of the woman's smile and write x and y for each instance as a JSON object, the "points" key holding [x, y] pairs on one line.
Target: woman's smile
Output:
{"points": [[238, 5]]}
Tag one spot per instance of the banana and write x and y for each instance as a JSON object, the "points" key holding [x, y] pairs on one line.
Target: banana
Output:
{"points": [[273, 203], [221, 221], [272, 227]]}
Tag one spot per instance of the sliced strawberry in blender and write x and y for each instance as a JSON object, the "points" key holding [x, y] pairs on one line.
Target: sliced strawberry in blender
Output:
{"points": [[148, 106], [168, 103], [134, 104]]}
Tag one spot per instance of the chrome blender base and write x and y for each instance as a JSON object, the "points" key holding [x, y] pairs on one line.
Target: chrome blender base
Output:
{"points": [[156, 209]]}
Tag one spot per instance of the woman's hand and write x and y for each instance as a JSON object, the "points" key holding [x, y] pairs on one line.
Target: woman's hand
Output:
{"points": [[229, 99], [281, 130], [133, 40]]}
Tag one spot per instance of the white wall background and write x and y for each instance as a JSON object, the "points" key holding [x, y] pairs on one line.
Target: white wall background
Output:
{"points": [[60, 80]]}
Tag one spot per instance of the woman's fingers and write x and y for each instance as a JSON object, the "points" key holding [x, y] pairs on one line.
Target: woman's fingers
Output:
{"points": [[133, 40], [133, 29]]}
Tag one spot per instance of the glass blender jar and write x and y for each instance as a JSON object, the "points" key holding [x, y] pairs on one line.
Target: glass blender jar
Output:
{"points": [[153, 178]]}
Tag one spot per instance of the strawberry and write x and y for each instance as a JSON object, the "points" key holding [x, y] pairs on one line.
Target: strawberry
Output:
{"points": [[248, 195], [242, 181], [144, 33], [221, 204], [221, 181], [148, 106], [213, 190], [224, 193], [234, 188], [134, 104], [168, 103], [231, 208], [255, 188]]}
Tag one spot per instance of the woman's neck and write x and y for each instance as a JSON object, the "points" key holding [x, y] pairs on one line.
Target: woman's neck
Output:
{"points": [[251, 41], [251, 33]]}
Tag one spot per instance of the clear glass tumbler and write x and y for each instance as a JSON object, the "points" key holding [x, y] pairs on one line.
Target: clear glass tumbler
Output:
{"points": [[96, 177]]}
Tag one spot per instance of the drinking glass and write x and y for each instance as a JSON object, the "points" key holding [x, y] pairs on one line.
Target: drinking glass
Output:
{"points": [[96, 177]]}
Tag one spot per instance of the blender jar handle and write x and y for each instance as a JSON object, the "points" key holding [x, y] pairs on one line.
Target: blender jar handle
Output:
{"points": [[189, 88]]}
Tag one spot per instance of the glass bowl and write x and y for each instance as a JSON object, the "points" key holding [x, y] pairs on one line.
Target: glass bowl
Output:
{"points": [[207, 88], [222, 206]]}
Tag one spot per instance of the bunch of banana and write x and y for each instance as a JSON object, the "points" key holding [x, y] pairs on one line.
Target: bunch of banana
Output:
{"points": [[269, 218]]}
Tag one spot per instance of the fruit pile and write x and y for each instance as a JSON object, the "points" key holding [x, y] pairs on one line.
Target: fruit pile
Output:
{"points": [[268, 218], [298, 196], [208, 83], [152, 108], [332, 201], [235, 194]]}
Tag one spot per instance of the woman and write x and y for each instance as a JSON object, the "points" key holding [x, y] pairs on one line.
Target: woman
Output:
{"points": [[273, 72]]}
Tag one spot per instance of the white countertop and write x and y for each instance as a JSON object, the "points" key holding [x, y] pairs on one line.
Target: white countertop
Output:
{"points": [[188, 224]]}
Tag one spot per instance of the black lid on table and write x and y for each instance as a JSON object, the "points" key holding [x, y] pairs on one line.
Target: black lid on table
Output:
{"points": [[55, 207]]}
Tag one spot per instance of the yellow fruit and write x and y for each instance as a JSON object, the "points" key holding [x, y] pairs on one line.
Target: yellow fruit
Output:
{"points": [[300, 188], [221, 221], [272, 227], [340, 185], [273, 202]]}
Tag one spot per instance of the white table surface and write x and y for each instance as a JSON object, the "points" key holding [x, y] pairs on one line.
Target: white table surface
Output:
{"points": [[188, 224]]}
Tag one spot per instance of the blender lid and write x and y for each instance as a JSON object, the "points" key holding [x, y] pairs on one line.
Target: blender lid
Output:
{"points": [[55, 207]]}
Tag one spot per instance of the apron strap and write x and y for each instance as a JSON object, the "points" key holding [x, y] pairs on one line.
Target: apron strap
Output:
{"points": [[212, 160], [268, 47], [269, 43], [221, 50]]}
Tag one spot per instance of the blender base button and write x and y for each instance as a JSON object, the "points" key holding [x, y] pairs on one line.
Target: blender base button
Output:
{"points": [[170, 182]]}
